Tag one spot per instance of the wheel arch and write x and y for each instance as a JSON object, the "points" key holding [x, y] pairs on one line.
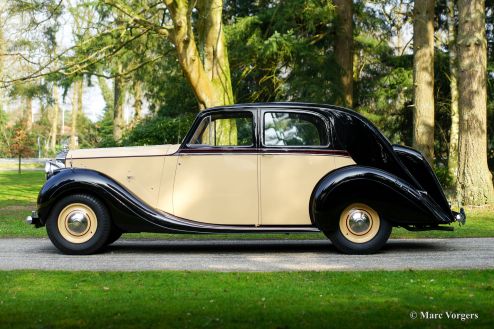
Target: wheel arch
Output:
{"points": [[83, 181], [395, 200], [73, 190]]}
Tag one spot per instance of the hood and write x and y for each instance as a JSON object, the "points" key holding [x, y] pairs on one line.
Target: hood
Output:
{"points": [[117, 152]]}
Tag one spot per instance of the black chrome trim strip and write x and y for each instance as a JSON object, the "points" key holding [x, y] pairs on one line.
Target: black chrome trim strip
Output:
{"points": [[264, 151]]}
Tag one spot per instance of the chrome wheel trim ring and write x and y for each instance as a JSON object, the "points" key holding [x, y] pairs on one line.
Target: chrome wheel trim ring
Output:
{"points": [[77, 223], [359, 223]]}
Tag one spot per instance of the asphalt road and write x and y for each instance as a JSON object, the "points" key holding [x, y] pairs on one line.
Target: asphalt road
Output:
{"points": [[250, 255]]}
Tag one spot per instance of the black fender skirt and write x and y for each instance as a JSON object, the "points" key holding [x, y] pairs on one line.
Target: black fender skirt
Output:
{"points": [[129, 213], [396, 200]]}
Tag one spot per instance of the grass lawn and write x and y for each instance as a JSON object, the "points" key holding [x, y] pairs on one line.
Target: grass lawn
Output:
{"points": [[244, 300], [18, 197]]}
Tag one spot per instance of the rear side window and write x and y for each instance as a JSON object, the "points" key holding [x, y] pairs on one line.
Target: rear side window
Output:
{"points": [[294, 129], [225, 129]]}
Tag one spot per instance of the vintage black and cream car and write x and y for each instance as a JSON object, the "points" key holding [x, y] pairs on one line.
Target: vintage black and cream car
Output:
{"points": [[251, 168]]}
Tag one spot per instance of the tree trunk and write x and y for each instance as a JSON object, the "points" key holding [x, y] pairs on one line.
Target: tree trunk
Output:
{"points": [[75, 110], [54, 119], [210, 79], [453, 82], [205, 67], [2, 51], [80, 86], [423, 76], [343, 50], [137, 101], [106, 92], [216, 62], [118, 100], [28, 114], [474, 179]]}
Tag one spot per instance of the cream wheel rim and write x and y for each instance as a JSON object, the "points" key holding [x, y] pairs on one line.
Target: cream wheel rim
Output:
{"points": [[359, 223], [77, 223]]}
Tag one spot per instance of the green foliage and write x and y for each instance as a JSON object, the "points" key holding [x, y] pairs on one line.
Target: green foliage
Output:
{"points": [[5, 134], [105, 130], [159, 130], [442, 174], [279, 48], [387, 102]]}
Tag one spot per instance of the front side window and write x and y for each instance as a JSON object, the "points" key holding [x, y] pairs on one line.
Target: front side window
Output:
{"points": [[225, 129], [294, 129]]}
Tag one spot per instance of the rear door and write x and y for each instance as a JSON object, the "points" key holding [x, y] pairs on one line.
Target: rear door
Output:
{"points": [[295, 154]]}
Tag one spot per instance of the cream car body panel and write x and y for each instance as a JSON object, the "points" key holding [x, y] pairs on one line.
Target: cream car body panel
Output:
{"points": [[285, 194], [165, 199], [217, 188], [139, 169]]}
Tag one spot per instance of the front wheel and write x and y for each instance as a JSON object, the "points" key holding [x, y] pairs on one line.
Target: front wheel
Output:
{"points": [[360, 230], [79, 225]]}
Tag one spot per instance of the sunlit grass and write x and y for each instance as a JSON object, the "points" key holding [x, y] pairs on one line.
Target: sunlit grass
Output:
{"points": [[20, 189], [243, 300]]}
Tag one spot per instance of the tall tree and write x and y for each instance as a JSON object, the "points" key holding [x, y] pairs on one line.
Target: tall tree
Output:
{"points": [[453, 82], [76, 109], [106, 92], [28, 112], [423, 77], [54, 118], [137, 91], [118, 101], [343, 49], [2, 51], [474, 180]]}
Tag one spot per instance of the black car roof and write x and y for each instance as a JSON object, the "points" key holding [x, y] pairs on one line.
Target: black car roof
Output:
{"points": [[312, 106], [254, 106]]}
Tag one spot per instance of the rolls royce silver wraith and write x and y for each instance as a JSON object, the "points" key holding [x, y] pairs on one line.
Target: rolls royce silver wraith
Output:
{"points": [[248, 168]]}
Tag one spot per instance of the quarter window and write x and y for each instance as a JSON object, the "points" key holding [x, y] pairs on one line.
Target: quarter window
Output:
{"points": [[294, 129], [225, 129]]}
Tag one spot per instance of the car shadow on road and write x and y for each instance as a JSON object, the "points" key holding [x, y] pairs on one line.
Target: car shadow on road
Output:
{"points": [[236, 246], [226, 246]]}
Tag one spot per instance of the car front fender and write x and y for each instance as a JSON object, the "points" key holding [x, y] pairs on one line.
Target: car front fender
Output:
{"points": [[393, 198], [128, 212]]}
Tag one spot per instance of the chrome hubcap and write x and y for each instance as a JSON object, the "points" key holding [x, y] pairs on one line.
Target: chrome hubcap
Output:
{"points": [[77, 223], [359, 222]]}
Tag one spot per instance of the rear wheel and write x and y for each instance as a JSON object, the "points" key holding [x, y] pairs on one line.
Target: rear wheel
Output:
{"points": [[360, 230], [79, 225]]}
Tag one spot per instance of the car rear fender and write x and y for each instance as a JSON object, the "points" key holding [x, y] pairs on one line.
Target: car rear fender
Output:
{"points": [[393, 198], [423, 173]]}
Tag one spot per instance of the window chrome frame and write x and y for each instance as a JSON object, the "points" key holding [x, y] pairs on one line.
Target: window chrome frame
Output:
{"points": [[263, 111], [232, 113]]}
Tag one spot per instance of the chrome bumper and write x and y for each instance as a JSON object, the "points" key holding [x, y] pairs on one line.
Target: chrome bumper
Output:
{"points": [[33, 219], [460, 217]]}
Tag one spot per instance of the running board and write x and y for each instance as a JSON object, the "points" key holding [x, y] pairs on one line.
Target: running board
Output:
{"points": [[428, 228]]}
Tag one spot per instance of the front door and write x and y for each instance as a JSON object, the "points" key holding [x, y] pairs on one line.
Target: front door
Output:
{"points": [[216, 175]]}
